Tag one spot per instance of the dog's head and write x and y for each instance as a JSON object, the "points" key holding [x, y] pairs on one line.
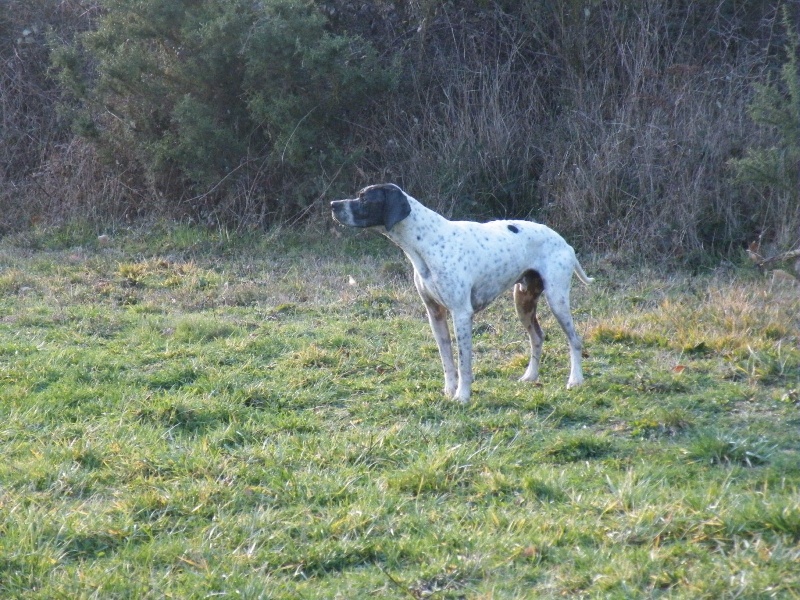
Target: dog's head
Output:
{"points": [[377, 205]]}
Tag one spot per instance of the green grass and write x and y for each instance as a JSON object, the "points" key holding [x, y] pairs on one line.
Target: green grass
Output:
{"points": [[200, 415]]}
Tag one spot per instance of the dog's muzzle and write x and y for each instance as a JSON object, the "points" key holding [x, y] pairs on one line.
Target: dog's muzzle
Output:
{"points": [[342, 213]]}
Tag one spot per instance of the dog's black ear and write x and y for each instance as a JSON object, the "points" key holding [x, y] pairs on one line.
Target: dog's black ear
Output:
{"points": [[395, 206]]}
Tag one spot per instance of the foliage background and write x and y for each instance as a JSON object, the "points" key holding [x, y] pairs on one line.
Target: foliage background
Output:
{"points": [[628, 126]]}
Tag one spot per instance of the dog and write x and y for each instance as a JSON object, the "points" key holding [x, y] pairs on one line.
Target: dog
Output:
{"points": [[461, 266]]}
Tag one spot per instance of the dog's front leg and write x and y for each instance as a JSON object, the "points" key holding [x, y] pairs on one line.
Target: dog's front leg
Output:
{"points": [[462, 323], [437, 317]]}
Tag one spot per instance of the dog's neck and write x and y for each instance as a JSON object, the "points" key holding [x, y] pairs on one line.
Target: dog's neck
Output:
{"points": [[427, 225]]}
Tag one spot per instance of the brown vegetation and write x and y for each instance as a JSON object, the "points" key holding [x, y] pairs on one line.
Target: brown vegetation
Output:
{"points": [[615, 122]]}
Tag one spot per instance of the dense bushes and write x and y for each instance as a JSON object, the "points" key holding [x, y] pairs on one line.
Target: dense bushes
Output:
{"points": [[211, 100], [623, 124], [613, 121], [772, 173]]}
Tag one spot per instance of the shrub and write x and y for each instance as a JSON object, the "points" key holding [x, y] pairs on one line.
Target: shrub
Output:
{"points": [[615, 122], [772, 174], [30, 127], [217, 99], [611, 121]]}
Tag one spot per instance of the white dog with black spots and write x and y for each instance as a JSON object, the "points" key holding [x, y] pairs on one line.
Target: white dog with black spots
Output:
{"points": [[461, 266]]}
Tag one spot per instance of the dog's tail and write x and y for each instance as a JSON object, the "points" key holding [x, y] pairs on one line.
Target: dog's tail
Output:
{"points": [[582, 274]]}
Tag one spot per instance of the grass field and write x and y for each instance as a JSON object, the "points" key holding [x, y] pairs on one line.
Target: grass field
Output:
{"points": [[187, 415]]}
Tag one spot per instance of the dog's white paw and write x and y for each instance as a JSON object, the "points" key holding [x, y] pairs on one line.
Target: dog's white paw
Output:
{"points": [[462, 396]]}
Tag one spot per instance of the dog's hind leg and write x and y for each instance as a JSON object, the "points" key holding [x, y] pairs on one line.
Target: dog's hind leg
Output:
{"points": [[526, 297], [558, 300]]}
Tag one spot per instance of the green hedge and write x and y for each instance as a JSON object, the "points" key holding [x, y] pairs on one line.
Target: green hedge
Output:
{"points": [[201, 96]]}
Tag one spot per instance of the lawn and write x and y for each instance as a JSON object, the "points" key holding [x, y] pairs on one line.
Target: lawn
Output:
{"points": [[186, 414]]}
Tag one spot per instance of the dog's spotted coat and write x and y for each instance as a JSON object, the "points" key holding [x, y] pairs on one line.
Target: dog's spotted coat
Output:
{"points": [[461, 266]]}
